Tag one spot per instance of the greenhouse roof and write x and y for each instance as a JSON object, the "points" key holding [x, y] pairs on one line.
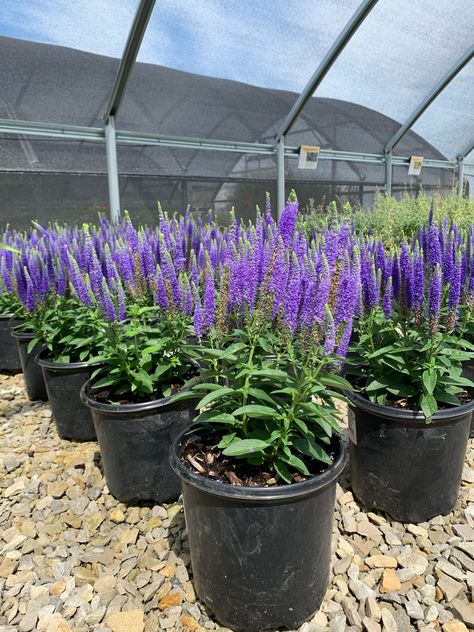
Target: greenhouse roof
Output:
{"points": [[377, 66]]}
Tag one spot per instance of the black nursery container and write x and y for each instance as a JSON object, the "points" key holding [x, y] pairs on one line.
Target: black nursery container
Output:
{"points": [[135, 441], [63, 384], [401, 464], [260, 556], [32, 374], [9, 359], [468, 371]]}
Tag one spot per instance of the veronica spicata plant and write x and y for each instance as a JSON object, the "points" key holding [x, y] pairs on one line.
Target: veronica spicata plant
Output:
{"points": [[410, 346], [71, 331], [144, 357], [273, 337]]}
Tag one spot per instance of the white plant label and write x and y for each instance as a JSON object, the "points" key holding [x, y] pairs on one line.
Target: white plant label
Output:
{"points": [[416, 163], [308, 158]]}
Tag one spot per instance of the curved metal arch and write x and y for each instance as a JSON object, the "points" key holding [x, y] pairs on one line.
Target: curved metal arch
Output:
{"points": [[430, 97], [466, 152], [333, 53], [135, 37]]}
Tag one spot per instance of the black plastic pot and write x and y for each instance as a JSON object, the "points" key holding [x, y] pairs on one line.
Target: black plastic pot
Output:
{"points": [[9, 359], [401, 464], [135, 441], [260, 556], [468, 371], [63, 385], [32, 374]]}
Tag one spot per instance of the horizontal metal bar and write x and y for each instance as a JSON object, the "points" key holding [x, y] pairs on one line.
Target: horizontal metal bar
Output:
{"points": [[430, 97], [56, 130], [129, 56], [72, 132], [186, 142], [333, 53]]}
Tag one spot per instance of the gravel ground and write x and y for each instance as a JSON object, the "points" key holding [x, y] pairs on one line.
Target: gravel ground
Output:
{"points": [[74, 559]]}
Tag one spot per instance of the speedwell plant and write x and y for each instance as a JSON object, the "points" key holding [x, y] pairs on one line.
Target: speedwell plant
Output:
{"points": [[271, 348]]}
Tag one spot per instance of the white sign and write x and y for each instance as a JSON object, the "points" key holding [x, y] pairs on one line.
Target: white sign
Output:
{"points": [[416, 163], [308, 158]]}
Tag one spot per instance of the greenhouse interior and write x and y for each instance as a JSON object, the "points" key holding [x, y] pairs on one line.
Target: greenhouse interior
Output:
{"points": [[237, 316]]}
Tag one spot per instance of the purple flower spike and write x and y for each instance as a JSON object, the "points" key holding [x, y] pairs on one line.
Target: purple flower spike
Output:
{"points": [[434, 247], [435, 299], [418, 284], [407, 277], [208, 317], [198, 316], [160, 296], [330, 332], [345, 340], [106, 302], [287, 223], [387, 298], [293, 295]]}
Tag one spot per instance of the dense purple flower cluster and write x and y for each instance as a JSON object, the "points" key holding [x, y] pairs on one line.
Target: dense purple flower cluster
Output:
{"points": [[221, 277], [426, 282]]}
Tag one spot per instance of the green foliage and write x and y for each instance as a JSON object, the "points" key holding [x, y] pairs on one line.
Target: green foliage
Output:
{"points": [[70, 330], [392, 220], [144, 356], [270, 397], [10, 304], [397, 361]]}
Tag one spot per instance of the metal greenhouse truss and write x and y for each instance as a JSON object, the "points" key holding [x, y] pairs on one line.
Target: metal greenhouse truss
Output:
{"points": [[112, 136]]}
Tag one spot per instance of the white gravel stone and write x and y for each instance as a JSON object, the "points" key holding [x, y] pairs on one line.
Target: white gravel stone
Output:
{"points": [[66, 562]]}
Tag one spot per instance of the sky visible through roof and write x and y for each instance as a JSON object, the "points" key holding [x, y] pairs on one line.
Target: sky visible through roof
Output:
{"points": [[398, 54]]}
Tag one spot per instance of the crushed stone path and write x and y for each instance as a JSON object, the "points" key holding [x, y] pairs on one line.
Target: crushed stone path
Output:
{"points": [[73, 559]]}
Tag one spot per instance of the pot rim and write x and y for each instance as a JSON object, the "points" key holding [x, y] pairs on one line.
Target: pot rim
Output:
{"points": [[60, 366], [256, 494], [402, 415], [28, 335], [124, 409]]}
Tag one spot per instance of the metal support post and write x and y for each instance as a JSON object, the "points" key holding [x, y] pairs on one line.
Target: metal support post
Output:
{"points": [[112, 170], [280, 149], [388, 172], [460, 176]]}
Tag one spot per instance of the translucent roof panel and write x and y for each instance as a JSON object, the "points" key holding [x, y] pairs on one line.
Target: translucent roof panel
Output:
{"points": [[399, 53], [449, 122], [45, 86], [271, 44]]}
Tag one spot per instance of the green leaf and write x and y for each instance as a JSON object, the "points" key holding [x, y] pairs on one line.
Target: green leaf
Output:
{"points": [[184, 395], [308, 447], [255, 410], [259, 393], [428, 405], [211, 397], [226, 440], [241, 447], [446, 398], [282, 471], [277, 373], [289, 390], [297, 463], [429, 381], [105, 381], [335, 381], [376, 385], [216, 417], [206, 386], [32, 344]]}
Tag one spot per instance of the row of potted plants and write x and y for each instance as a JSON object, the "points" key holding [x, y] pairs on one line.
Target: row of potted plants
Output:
{"points": [[230, 346]]}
